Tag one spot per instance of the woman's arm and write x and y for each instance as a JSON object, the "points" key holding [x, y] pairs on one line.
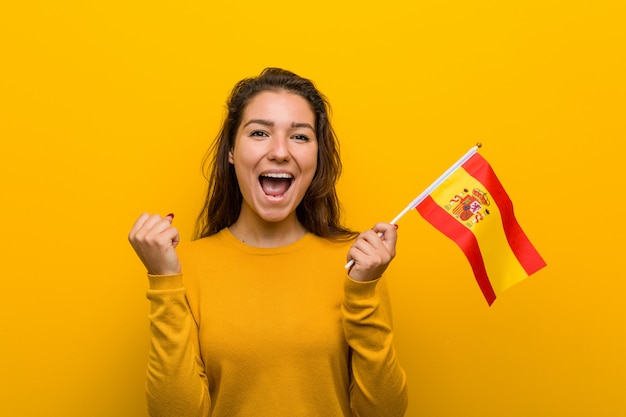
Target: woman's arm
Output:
{"points": [[176, 382], [378, 385]]}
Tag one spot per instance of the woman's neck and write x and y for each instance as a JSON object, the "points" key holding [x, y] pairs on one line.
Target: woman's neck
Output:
{"points": [[256, 232]]}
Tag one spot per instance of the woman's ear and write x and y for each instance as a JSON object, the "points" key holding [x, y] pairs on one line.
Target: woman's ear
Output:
{"points": [[231, 159]]}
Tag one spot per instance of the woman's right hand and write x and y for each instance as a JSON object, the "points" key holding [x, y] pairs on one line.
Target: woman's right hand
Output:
{"points": [[155, 240]]}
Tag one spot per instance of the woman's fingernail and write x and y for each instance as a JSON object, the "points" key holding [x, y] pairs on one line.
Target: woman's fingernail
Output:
{"points": [[170, 215], [396, 226]]}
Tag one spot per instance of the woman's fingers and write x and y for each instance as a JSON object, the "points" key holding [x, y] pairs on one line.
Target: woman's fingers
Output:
{"points": [[154, 239], [372, 252], [388, 234]]}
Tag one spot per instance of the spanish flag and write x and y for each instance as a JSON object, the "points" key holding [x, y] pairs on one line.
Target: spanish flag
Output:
{"points": [[471, 207]]}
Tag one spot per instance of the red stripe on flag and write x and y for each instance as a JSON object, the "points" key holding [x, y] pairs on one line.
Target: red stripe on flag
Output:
{"points": [[463, 237], [524, 251]]}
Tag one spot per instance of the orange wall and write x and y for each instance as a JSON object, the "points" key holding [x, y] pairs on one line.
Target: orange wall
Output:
{"points": [[106, 109]]}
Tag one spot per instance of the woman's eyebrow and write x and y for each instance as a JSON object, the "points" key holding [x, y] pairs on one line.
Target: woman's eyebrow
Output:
{"points": [[300, 125], [270, 123], [260, 121]]}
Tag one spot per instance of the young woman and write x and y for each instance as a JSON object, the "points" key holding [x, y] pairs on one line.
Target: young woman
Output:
{"points": [[262, 319]]}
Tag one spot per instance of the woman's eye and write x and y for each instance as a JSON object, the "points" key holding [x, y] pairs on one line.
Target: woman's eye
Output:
{"points": [[303, 138], [258, 133]]}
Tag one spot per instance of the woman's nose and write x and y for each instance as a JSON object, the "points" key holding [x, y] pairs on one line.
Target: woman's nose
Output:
{"points": [[279, 150]]}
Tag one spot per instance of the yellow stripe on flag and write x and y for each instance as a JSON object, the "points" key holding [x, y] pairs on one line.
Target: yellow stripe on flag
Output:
{"points": [[503, 268]]}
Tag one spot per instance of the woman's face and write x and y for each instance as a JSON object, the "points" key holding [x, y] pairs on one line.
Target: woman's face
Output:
{"points": [[275, 154]]}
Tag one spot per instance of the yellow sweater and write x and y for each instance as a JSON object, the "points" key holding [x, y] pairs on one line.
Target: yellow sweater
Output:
{"points": [[260, 332]]}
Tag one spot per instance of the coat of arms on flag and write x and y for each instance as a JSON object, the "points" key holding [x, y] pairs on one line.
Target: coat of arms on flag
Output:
{"points": [[469, 207]]}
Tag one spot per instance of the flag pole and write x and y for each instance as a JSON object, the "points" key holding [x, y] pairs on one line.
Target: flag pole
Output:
{"points": [[430, 189]]}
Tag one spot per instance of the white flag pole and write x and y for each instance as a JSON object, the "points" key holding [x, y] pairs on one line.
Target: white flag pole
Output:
{"points": [[430, 189]]}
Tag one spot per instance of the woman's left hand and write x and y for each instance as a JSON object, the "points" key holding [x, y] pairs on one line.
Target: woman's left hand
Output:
{"points": [[372, 251]]}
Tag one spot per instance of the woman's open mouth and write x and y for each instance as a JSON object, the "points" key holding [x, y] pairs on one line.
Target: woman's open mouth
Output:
{"points": [[275, 184]]}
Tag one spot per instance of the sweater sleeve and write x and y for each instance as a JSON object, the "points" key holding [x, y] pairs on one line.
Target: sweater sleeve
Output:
{"points": [[378, 383], [176, 381]]}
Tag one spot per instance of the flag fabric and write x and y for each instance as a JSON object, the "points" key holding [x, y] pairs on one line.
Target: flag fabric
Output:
{"points": [[472, 208]]}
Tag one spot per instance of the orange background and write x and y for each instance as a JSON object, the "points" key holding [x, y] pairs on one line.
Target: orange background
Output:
{"points": [[106, 109]]}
